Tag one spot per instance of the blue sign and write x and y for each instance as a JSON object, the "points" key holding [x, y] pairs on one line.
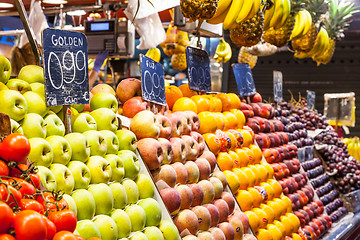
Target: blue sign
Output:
{"points": [[152, 80], [65, 67], [244, 79], [198, 65], [310, 98]]}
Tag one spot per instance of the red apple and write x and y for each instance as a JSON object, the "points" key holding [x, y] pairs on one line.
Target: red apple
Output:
{"points": [[186, 196], [200, 140], [208, 190], [204, 217], [145, 125], [194, 120], [151, 151], [204, 168], [177, 125], [228, 230], [172, 200], [197, 193], [185, 122], [215, 215], [165, 126], [134, 105], [218, 187], [223, 209], [168, 153], [211, 158], [179, 148], [217, 233], [167, 174], [128, 88], [229, 199], [181, 172], [187, 220], [193, 172], [256, 98], [192, 147]]}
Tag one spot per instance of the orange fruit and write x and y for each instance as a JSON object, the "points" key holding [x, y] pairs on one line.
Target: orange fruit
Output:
{"points": [[257, 153], [269, 169], [269, 212], [202, 103], [263, 173], [241, 120], [248, 140], [250, 176], [287, 202], [276, 187], [186, 91], [269, 190], [245, 200], [280, 226], [275, 232], [231, 119], [184, 104], [213, 142], [286, 222], [276, 208], [254, 220], [235, 101], [219, 120], [294, 220], [250, 155], [264, 234], [256, 196], [243, 157], [224, 161], [215, 104], [262, 216], [208, 122], [244, 183], [232, 180], [296, 236], [172, 94], [233, 140], [225, 100], [234, 158], [256, 173], [282, 205]]}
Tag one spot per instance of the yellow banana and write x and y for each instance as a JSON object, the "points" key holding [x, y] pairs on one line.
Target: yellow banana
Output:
{"points": [[245, 10], [154, 54], [228, 56], [255, 9], [267, 17], [278, 12], [298, 26], [222, 49], [230, 18], [286, 13], [222, 6], [220, 18], [324, 42], [318, 43], [308, 22]]}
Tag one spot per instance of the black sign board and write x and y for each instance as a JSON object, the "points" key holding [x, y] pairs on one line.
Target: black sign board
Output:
{"points": [[244, 79], [65, 67], [278, 86], [198, 65], [310, 98]]}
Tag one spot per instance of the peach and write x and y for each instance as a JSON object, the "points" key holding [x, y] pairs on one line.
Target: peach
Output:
{"points": [[208, 190], [187, 220], [229, 199], [218, 187], [204, 168], [237, 225], [214, 213], [217, 233], [172, 200], [244, 219], [197, 193], [223, 209], [204, 217], [193, 172], [186, 196], [166, 173], [228, 230], [221, 176], [211, 158]]}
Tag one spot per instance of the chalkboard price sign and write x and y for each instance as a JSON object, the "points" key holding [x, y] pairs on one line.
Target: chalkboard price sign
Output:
{"points": [[152, 81], [65, 67], [278, 86], [244, 79], [198, 65], [310, 98]]}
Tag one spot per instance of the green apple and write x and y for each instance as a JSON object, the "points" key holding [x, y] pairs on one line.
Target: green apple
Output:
{"points": [[56, 109], [137, 217], [71, 202], [5, 69], [122, 221], [132, 191], [117, 167], [18, 85], [33, 125], [104, 199], [139, 236], [87, 229], [39, 88], [104, 100], [152, 210], [107, 227], [83, 122], [64, 178], [169, 230], [61, 149], [32, 73], [3, 86], [119, 194], [100, 169], [36, 103], [13, 104], [85, 204], [79, 147], [41, 153], [15, 127], [153, 233], [96, 140], [127, 139], [78, 107], [145, 186], [131, 163], [47, 178], [54, 125], [111, 140], [81, 174], [105, 119]]}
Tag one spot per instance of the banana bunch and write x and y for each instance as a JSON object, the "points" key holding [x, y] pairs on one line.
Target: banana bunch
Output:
{"points": [[302, 24], [276, 16], [230, 12], [320, 46], [154, 54], [353, 146], [223, 51]]}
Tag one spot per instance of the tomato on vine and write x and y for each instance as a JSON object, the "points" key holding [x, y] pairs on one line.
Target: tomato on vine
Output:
{"points": [[6, 217], [50, 228], [64, 220], [31, 204], [54, 202], [64, 235], [25, 187], [29, 224], [15, 147], [10, 195], [6, 236], [4, 169]]}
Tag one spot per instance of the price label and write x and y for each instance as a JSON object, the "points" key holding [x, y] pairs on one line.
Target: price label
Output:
{"points": [[152, 81], [198, 65], [65, 67], [278, 86], [339, 108], [311, 96], [244, 79]]}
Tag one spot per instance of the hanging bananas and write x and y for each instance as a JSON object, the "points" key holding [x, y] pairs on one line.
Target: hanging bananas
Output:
{"points": [[302, 24], [276, 16], [223, 51], [154, 54], [353, 147]]}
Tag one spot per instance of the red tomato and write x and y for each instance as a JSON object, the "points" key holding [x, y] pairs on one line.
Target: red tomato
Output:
{"points": [[15, 147], [52, 201], [5, 236], [64, 220], [31, 204], [29, 224], [64, 235], [78, 237], [6, 217], [25, 187], [50, 228], [35, 179], [7, 197], [14, 172], [4, 169]]}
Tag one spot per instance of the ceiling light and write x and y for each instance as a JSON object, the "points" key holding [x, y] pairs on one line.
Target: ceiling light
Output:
{"points": [[6, 5], [55, 1], [76, 13]]}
